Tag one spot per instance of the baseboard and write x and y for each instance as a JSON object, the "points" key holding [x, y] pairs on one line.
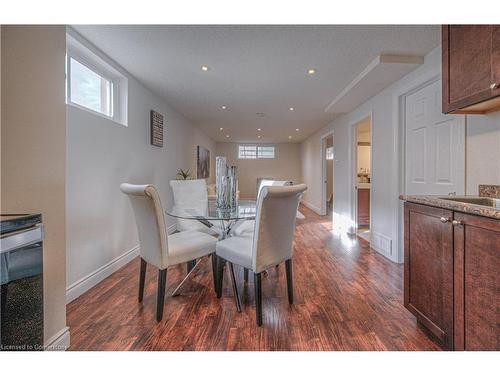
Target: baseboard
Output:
{"points": [[79, 287], [311, 207], [60, 341], [381, 244]]}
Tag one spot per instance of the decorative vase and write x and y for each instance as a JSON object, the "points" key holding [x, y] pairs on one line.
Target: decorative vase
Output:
{"points": [[233, 186], [225, 184], [221, 183]]}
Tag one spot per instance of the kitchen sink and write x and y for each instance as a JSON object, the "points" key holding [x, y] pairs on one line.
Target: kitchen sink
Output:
{"points": [[482, 201]]}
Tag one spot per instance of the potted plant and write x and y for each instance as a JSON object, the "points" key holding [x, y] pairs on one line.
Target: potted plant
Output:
{"points": [[183, 174]]}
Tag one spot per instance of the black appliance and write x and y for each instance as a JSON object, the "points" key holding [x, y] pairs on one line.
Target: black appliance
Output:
{"points": [[21, 276]]}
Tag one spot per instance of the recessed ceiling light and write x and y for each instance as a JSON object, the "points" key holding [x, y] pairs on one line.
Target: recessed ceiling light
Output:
{"points": [[311, 71], [205, 68], [221, 129], [289, 137], [297, 129], [259, 137], [223, 107], [258, 129], [227, 135], [291, 109]]}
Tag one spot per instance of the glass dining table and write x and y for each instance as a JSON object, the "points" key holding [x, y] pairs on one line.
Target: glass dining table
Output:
{"points": [[223, 221]]}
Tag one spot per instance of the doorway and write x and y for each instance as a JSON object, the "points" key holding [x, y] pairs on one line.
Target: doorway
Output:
{"points": [[362, 171], [327, 160]]}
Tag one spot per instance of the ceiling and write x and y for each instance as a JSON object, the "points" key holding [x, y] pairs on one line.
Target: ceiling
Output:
{"points": [[257, 72]]}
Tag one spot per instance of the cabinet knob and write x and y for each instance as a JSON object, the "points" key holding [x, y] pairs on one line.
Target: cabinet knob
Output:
{"points": [[456, 222], [494, 86], [444, 219]]}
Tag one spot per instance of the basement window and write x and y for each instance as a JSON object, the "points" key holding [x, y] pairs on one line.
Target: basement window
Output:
{"points": [[256, 152], [93, 83], [89, 89]]}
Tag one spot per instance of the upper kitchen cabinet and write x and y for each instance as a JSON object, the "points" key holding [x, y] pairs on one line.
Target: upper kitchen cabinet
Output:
{"points": [[471, 68]]}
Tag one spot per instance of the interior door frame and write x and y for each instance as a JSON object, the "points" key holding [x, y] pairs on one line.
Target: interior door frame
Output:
{"points": [[399, 151], [323, 207], [353, 169]]}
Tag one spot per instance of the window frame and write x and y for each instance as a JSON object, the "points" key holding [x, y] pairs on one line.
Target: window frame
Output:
{"points": [[257, 146], [77, 50]]}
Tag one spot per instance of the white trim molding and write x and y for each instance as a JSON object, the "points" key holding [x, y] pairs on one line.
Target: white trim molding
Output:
{"points": [[59, 342], [381, 244], [79, 287]]}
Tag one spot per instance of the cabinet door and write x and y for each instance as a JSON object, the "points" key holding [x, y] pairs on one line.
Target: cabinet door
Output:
{"points": [[428, 276], [467, 65], [363, 207], [477, 270], [495, 59]]}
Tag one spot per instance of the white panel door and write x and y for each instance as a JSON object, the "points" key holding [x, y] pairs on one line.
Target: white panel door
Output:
{"points": [[435, 145]]}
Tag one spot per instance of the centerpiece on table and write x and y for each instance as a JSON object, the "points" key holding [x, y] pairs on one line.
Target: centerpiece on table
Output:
{"points": [[225, 184]]}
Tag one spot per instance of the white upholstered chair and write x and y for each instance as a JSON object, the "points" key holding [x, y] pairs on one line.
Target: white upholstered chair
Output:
{"points": [[247, 226], [158, 248], [191, 193], [271, 243]]}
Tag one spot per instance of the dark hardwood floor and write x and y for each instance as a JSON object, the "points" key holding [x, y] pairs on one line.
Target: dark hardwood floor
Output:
{"points": [[346, 297]]}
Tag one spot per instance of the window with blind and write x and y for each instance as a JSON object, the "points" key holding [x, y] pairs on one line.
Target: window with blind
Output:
{"points": [[256, 152]]}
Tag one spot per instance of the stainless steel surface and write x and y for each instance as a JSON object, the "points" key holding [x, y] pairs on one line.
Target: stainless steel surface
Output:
{"points": [[481, 201], [15, 240], [179, 286]]}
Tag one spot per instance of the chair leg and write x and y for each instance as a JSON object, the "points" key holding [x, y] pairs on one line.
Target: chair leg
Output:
{"points": [[245, 274], [258, 297], [289, 280], [214, 269], [142, 278], [220, 276], [160, 300], [190, 265], [235, 287]]}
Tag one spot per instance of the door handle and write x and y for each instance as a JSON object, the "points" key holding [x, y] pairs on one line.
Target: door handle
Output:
{"points": [[444, 219], [456, 222], [494, 86]]}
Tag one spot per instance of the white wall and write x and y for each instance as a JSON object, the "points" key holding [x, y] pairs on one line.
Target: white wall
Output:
{"points": [[286, 166], [482, 152], [33, 150], [101, 154]]}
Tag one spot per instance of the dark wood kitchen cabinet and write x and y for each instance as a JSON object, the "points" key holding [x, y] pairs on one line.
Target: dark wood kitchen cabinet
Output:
{"points": [[477, 251], [428, 269], [363, 207], [471, 68], [451, 281]]}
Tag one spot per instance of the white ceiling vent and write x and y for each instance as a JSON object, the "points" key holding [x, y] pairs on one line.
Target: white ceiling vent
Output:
{"points": [[379, 74]]}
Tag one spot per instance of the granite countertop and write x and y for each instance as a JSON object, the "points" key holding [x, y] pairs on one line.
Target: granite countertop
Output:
{"points": [[439, 201]]}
